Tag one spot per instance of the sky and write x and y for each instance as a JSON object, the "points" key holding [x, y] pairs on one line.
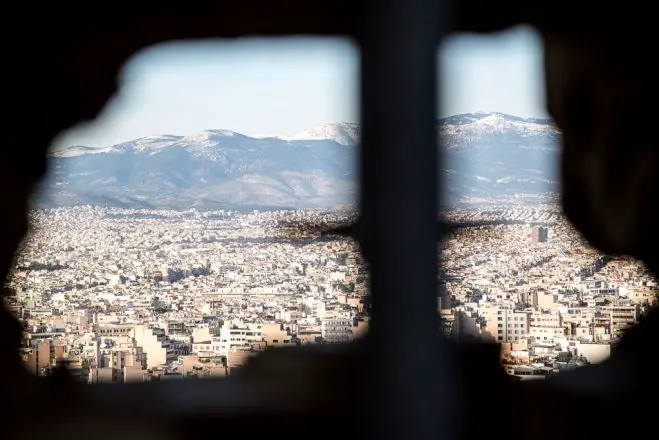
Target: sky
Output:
{"points": [[260, 87]]}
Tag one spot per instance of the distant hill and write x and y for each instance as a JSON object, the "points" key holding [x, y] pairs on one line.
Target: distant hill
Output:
{"points": [[489, 155]]}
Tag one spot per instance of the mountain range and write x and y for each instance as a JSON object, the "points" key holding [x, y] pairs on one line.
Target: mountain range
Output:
{"points": [[487, 155]]}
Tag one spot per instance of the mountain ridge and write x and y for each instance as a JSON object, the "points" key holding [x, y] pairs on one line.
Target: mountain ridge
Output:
{"points": [[489, 154]]}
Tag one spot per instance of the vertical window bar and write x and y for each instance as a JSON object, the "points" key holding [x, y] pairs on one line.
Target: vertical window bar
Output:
{"points": [[399, 210]]}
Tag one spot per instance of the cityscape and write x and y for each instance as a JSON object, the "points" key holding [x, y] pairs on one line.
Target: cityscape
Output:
{"points": [[131, 295], [337, 212]]}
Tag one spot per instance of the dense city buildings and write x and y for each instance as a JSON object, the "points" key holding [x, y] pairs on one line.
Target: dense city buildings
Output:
{"points": [[119, 295]]}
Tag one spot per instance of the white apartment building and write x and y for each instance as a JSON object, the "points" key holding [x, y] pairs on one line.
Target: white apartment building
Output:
{"points": [[335, 330], [508, 325]]}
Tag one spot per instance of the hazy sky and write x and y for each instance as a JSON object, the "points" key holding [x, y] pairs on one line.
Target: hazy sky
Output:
{"points": [[259, 87]]}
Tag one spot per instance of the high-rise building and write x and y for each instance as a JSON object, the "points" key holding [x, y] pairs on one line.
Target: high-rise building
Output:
{"points": [[540, 234]]}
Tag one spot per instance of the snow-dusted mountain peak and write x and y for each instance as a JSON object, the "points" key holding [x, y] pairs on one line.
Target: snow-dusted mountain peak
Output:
{"points": [[344, 133], [79, 150], [209, 135], [158, 138], [149, 143], [477, 124]]}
